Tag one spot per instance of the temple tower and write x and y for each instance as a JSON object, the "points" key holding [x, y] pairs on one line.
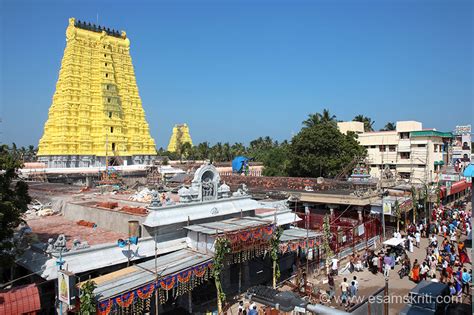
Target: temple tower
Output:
{"points": [[180, 135], [96, 109]]}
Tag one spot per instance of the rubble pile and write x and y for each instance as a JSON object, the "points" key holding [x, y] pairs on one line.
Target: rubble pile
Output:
{"points": [[144, 195]]}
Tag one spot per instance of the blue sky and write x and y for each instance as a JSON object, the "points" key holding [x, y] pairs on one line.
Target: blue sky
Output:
{"points": [[237, 70]]}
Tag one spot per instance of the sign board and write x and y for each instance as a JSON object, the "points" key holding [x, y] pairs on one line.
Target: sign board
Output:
{"points": [[300, 309], [387, 207], [66, 283], [405, 206], [461, 130], [449, 177], [361, 229]]}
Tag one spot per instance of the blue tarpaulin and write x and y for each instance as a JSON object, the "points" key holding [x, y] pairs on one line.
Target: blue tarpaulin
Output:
{"points": [[238, 164], [469, 171]]}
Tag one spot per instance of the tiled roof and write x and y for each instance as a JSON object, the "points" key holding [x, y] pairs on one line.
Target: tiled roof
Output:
{"points": [[20, 300]]}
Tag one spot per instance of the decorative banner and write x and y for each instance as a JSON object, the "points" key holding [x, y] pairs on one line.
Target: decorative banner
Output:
{"points": [[145, 292], [125, 300]]}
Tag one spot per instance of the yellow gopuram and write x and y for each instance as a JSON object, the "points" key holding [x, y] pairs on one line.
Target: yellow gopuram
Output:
{"points": [[96, 109], [180, 136]]}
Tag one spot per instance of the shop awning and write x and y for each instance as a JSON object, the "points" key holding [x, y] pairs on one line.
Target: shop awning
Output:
{"points": [[183, 269], [455, 188], [459, 186], [439, 163]]}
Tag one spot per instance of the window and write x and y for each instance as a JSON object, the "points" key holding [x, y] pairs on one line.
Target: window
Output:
{"points": [[111, 129], [404, 175], [435, 148], [106, 75], [392, 148], [105, 55], [404, 135], [381, 148], [108, 100], [405, 155], [113, 146], [421, 145], [110, 114], [392, 166], [372, 146], [106, 64], [107, 86], [421, 166]]}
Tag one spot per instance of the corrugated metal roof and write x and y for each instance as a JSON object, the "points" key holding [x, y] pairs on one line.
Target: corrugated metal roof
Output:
{"points": [[229, 225], [118, 282], [298, 234]]}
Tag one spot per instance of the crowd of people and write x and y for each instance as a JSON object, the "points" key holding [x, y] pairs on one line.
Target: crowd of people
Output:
{"points": [[446, 261]]}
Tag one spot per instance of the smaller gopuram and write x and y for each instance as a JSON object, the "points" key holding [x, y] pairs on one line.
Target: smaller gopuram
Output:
{"points": [[179, 137]]}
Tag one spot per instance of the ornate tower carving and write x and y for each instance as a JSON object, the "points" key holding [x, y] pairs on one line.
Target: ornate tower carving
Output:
{"points": [[96, 110], [180, 135]]}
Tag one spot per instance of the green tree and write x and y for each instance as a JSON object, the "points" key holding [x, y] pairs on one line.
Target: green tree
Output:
{"points": [[320, 118], [368, 123], [275, 160], [390, 126], [87, 298], [322, 151], [14, 200]]}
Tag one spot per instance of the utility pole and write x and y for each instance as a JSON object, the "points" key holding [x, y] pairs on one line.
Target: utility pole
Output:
{"points": [[156, 277]]}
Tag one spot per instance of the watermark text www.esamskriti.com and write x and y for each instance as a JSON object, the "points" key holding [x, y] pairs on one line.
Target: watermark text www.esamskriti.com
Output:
{"points": [[393, 298]]}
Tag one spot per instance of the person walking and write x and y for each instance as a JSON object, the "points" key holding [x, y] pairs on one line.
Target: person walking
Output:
{"points": [[418, 238], [332, 287], [344, 293], [424, 271], [433, 264], [466, 280], [353, 293], [387, 261]]}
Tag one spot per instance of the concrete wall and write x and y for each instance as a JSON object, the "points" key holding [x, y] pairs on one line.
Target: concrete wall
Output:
{"points": [[280, 183], [108, 219]]}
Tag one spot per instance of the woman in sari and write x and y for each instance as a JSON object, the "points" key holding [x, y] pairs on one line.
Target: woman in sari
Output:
{"points": [[416, 271], [458, 283], [464, 258]]}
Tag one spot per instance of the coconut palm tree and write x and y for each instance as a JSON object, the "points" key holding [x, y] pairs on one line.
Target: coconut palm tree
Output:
{"points": [[318, 118], [389, 126], [368, 123]]}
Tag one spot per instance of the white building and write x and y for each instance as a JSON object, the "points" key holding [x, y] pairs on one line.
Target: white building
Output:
{"points": [[409, 152]]}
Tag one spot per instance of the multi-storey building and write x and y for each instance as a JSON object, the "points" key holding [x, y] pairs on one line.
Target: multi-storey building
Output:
{"points": [[409, 152]]}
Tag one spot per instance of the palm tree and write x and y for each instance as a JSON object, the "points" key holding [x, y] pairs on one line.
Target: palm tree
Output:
{"points": [[318, 118], [326, 117], [313, 120], [368, 123], [389, 126]]}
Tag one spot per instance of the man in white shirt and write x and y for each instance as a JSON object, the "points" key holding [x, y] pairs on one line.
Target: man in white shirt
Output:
{"points": [[418, 238], [334, 267]]}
